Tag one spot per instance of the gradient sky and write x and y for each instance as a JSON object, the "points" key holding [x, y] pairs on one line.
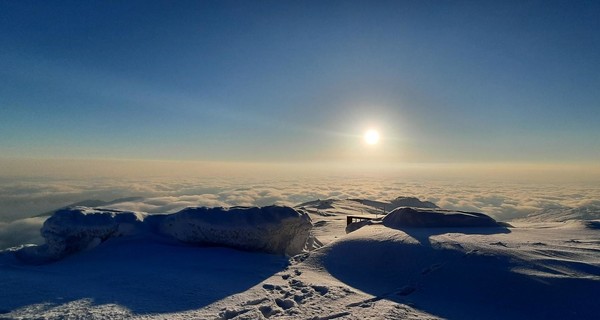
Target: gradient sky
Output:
{"points": [[443, 81]]}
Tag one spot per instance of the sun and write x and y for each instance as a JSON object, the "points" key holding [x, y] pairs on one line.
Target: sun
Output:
{"points": [[371, 136]]}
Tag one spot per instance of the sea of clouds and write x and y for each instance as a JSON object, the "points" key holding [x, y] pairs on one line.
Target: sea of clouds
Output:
{"points": [[22, 199]]}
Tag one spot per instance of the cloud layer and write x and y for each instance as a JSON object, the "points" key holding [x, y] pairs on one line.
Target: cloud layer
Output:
{"points": [[504, 201]]}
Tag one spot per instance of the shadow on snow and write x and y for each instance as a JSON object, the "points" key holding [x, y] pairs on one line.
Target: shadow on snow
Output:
{"points": [[140, 275], [447, 280]]}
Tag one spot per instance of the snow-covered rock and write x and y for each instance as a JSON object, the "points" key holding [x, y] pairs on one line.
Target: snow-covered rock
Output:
{"points": [[272, 229], [436, 218], [75, 229]]}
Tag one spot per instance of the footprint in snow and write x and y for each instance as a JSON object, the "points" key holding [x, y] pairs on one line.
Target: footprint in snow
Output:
{"points": [[322, 290], [227, 314], [285, 304], [268, 311], [268, 286], [255, 302], [299, 258]]}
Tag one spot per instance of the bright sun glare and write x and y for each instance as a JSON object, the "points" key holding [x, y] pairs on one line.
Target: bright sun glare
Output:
{"points": [[371, 136]]}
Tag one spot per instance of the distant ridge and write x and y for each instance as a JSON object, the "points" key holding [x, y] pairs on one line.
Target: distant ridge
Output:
{"points": [[413, 202], [398, 202], [381, 206]]}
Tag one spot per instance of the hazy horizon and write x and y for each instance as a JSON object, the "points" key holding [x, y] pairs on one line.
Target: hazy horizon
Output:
{"points": [[48, 184], [588, 172]]}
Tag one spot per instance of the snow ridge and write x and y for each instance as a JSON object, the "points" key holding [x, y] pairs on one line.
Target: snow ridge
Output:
{"points": [[272, 229]]}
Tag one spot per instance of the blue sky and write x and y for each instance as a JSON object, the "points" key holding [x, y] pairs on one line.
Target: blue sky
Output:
{"points": [[474, 81]]}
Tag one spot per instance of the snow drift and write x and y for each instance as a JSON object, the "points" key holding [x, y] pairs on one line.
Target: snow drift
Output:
{"points": [[408, 217], [436, 218], [472, 273], [272, 229]]}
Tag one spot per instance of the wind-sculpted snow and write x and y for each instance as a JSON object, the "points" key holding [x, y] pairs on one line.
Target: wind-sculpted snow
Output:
{"points": [[427, 218], [408, 217], [75, 229], [273, 229]]}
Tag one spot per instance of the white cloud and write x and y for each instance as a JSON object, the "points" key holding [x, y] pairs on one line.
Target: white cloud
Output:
{"points": [[502, 200]]}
